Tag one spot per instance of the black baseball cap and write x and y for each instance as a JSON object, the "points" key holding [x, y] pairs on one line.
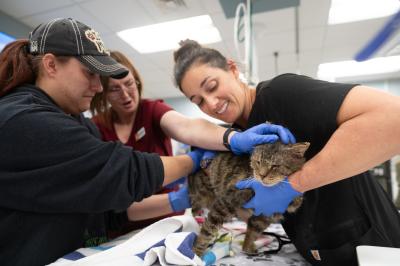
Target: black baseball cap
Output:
{"points": [[69, 37]]}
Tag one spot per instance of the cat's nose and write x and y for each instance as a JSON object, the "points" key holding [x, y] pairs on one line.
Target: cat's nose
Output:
{"points": [[262, 176], [264, 173]]}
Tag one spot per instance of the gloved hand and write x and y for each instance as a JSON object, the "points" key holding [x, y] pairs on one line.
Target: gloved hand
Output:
{"points": [[269, 200], [179, 200], [177, 182], [244, 142], [208, 156], [198, 155]]}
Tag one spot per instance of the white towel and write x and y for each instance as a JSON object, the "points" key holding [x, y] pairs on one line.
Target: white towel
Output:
{"points": [[169, 240], [175, 250]]}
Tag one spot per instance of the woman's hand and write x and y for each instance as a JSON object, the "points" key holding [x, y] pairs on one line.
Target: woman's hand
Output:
{"points": [[244, 142], [198, 155], [268, 200], [179, 200]]}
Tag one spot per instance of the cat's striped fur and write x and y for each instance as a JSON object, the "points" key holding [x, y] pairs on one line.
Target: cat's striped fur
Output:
{"points": [[214, 188]]}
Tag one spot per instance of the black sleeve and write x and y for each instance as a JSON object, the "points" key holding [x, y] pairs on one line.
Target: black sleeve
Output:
{"points": [[308, 107], [91, 126], [50, 162]]}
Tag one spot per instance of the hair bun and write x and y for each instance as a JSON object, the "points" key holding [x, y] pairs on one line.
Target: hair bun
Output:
{"points": [[192, 43], [186, 46]]}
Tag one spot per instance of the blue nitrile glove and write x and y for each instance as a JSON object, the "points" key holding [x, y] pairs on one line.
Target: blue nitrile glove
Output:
{"points": [[198, 155], [179, 200], [244, 142], [208, 156], [176, 183], [269, 200]]}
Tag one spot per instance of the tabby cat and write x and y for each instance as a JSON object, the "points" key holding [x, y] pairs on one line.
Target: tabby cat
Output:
{"points": [[213, 187]]}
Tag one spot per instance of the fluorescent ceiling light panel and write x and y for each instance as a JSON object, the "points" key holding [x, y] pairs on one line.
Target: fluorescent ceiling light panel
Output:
{"points": [[351, 68], [344, 11], [166, 36]]}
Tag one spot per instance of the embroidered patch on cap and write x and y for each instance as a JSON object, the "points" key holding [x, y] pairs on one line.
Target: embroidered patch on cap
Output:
{"points": [[34, 47], [315, 254], [94, 37]]}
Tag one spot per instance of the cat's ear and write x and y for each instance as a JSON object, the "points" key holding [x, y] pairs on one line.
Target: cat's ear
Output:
{"points": [[299, 148]]}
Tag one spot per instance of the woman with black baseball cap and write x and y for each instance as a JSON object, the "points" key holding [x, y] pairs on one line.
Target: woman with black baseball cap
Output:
{"points": [[60, 186]]}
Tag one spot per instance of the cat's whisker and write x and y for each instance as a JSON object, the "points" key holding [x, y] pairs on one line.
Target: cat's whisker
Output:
{"points": [[247, 180]]}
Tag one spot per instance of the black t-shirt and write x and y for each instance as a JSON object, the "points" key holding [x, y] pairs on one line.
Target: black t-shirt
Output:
{"points": [[335, 218]]}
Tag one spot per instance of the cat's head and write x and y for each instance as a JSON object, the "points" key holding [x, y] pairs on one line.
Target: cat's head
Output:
{"points": [[271, 163]]}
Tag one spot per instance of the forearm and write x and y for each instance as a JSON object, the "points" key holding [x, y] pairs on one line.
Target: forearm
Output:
{"points": [[356, 146], [154, 206], [193, 131], [175, 167], [204, 134]]}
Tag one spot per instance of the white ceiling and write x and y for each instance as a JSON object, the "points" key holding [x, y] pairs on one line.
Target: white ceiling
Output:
{"points": [[274, 32]]}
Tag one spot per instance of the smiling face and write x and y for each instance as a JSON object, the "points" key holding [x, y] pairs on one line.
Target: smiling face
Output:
{"points": [[123, 95], [217, 92]]}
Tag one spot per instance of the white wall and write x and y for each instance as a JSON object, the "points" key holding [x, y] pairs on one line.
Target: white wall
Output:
{"points": [[389, 85]]}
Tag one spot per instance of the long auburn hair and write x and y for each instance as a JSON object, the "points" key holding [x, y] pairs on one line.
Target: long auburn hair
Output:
{"points": [[17, 66], [99, 106]]}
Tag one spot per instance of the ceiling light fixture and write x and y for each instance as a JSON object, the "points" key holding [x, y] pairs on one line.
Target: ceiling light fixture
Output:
{"points": [[167, 35], [351, 68], [344, 11]]}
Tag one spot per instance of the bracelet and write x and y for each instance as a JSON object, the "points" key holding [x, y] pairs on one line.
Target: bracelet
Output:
{"points": [[225, 137]]}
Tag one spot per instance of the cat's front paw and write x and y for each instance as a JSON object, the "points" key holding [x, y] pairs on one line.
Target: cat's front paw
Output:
{"points": [[296, 203]]}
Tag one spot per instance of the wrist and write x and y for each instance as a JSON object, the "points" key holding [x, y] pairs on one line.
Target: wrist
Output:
{"points": [[295, 181], [195, 158], [230, 135], [172, 198], [226, 139], [232, 143]]}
